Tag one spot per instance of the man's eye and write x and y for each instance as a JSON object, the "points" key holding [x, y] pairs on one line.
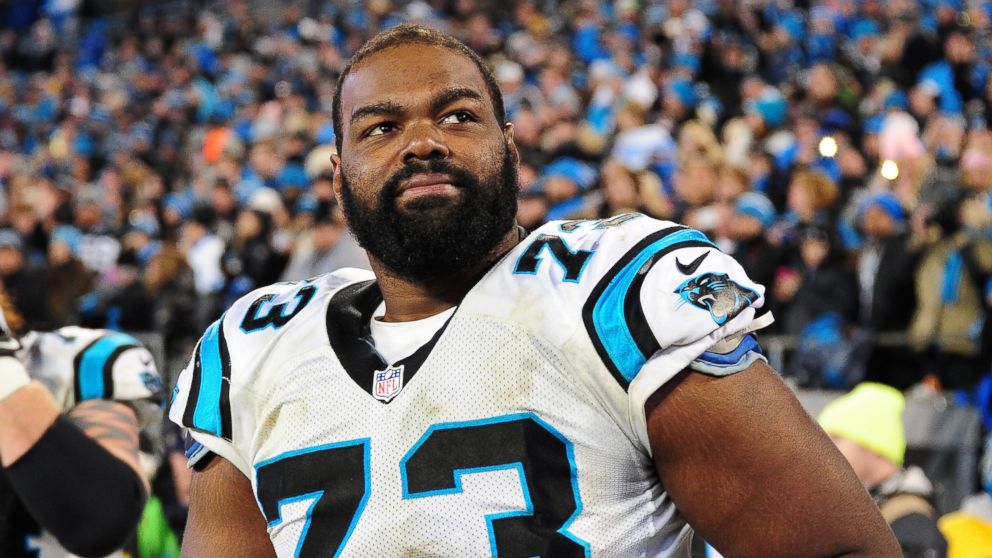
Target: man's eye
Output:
{"points": [[460, 117], [380, 129]]}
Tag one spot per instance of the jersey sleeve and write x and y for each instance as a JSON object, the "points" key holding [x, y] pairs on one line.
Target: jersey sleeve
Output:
{"points": [[118, 367], [202, 399], [218, 396], [671, 301]]}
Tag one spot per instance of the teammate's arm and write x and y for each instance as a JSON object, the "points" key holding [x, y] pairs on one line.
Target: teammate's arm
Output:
{"points": [[80, 481], [114, 426], [754, 475], [224, 519]]}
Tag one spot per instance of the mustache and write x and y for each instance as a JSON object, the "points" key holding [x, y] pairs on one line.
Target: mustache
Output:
{"points": [[462, 178]]}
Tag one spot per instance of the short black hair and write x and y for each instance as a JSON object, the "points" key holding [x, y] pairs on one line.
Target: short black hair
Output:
{"points": [[408, 34]]}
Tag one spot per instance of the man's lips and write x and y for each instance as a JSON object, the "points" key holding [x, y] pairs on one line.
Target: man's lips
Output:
{"points": [[427, 185]]}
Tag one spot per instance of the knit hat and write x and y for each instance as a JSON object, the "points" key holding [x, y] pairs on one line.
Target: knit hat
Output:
{"points": [[583, 175], [888, 203], [757, 206], [871, 416], [68, 235], [771, 106], [684, 92]]}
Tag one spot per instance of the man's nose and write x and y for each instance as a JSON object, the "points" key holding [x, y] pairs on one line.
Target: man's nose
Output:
{"points": [[425, 142]]}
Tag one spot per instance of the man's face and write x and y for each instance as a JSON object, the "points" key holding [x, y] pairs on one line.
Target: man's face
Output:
{"points": [[877, 223], [427, 176], [11, 260]]}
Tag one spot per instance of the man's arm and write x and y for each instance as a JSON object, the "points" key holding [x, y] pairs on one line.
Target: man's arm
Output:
{"points": [[114, 426], [224, 519], [754, 475], [81, 481]]}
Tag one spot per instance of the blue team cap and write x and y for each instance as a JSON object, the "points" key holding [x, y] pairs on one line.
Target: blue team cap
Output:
{"points": [[292, 176], [684, 91], [178, 203], [837, 119], [887, 202], [874, 124], [771, 106], [68, 235], [897, 99], [756, 205], [325, 134], [687, 60], [573, 169], [10, 239], [793, 25], [864, 28]]}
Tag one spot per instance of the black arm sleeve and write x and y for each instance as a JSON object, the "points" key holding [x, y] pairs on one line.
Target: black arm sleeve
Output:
{"points": [[75, 489]]}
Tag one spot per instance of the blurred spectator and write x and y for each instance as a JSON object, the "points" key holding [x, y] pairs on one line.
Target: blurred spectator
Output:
{"points": [[885, 276], [203, 250], [969, 529], [251, 247], [66, 278], [946, 328], [695, 188], [325, 248], [810, 201], [867, 427], [751, 217], [25, 285], [170, 289], [820, 284]]}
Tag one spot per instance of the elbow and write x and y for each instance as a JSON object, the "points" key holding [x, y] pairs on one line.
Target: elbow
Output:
{"points": [[109, 525]]}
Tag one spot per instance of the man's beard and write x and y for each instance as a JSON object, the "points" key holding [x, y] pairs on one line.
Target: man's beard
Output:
{"points": [[430, 240]]}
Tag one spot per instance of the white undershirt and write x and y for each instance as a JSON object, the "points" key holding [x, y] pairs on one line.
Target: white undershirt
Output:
{"points": [[398, 340]]}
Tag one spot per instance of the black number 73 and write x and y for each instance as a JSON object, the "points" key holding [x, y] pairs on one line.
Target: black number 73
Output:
{"points": [[335, 478]]}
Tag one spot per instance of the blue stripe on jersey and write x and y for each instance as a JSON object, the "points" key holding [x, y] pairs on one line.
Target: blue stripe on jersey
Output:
{"points": [[207, 414], [95, 364], [734, 357], [608, 317]]}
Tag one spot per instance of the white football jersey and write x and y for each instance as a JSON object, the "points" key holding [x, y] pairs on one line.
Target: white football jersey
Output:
{"points": [[77, 364], [518, 430]]}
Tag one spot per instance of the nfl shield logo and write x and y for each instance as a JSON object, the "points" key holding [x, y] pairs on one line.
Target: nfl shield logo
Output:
{"points": [[387, 383]]}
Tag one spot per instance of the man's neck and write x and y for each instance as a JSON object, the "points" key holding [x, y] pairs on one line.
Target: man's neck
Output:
{"points": [[408, 300]]}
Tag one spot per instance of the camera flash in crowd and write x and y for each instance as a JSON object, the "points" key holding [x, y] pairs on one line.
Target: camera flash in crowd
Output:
{"points": [[890, 170], [828, 147]]}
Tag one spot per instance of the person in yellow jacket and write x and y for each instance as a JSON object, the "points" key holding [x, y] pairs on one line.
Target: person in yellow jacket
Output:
{"points": [[867, 427], [969, 530]]}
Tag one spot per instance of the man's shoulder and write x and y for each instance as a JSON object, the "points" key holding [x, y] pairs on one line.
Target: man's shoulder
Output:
{"points": [[276, 311], [78, 364], [75, 341], [272, 306], [587, 252]]}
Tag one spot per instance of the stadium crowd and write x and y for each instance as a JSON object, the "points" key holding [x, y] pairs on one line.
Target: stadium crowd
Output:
{"points": [[160, 159]]}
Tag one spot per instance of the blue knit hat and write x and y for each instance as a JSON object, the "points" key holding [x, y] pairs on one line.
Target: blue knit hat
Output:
{"points": [[897, 99], [684, 91], [753, 204], [864, 28], [887, 202], [771, 106], [68, 235], [874, 124], [572, 169]]}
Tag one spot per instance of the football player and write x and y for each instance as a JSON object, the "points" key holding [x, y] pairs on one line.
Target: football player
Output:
{"points": [[72, 402], [590, 389]]}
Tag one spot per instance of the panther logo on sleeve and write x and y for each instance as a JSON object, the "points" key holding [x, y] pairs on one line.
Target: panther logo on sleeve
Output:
{"points": [[718, 294]]}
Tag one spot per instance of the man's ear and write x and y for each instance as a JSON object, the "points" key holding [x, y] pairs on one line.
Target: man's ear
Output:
{"points": [[336, 180], [508, 137]]}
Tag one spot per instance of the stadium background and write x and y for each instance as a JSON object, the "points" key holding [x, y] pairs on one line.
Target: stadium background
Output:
{"points": [[160, 159]]}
